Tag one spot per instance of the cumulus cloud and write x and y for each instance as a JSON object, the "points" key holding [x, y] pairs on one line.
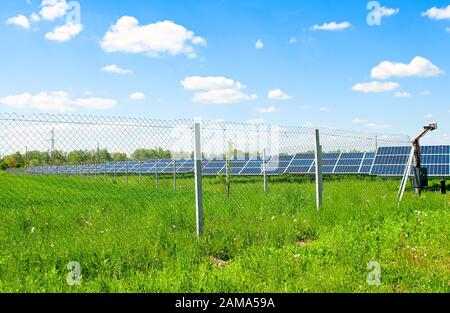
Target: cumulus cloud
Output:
{"points": [[292, 40], [358, 120], [35, 17], [271, 109], [137, 96], [428, 116], [378, 126], [402, 94], [278, 94], [332, 26], [419, 67], [65, 32], [114, 69], [435, 13], [58, 101], [19, 20], [96, 103], [324, 110], [216, 89], [259, 44], [53, 9], [375, 87], [156, 39]]}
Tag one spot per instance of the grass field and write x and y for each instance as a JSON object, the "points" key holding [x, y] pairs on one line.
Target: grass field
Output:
{"points": [[136, 239]]}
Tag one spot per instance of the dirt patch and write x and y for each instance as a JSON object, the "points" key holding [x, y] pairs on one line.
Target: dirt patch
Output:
{"points": [[304, 243], [218, 262]]}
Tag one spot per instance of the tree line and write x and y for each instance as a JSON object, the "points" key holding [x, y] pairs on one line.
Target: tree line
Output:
{"points": [[57, 157]]}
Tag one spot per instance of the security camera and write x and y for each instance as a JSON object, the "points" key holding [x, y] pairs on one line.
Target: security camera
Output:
{"points": [[431, 127]]}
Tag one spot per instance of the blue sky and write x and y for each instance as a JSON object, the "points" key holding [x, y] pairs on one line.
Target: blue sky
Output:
{"points": [[222, 59]]}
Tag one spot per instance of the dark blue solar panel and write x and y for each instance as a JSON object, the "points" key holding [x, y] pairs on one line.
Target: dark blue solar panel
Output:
{"points": [[347, 169], [435, 150], [357, 155], [349, 162], [304, 156], [365, 169]]}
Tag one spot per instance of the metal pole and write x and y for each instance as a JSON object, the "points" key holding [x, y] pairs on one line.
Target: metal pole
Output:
{"points": [[198, 179], [115, 173], [104, 170], [140, 171], [156, 174], [175, 175], [319, 175], [266, 187], [126, 170]]}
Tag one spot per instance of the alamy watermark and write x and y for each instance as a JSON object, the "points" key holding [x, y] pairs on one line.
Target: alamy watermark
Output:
{"points": [[74, 276], [374, 17], [374, 276]]}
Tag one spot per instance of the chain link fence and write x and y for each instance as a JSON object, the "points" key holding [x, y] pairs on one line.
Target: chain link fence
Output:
{"points": [[83, 182]]}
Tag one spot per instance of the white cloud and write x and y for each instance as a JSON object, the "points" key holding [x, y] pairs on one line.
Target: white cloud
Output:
{"points": [[44, 101], [370, 125], [293, 40], [216, 89], [19, 20], [358, 120], [53, 9], [324, 110], [271, 109], [419, 67], [223, 96], [375, 87], [259, 44], [388, 11], [447, 29], [428, 116], [256, 121], [137, 96], [209, 83], [378, 126], [438, 13], [155, 39], [58, 101], [96, 103], [114, 69], [35, 17], [65, 32], [278, 94], [402, 94], [332, 26]]}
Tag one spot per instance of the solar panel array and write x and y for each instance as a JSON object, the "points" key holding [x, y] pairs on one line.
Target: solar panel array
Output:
{"points": [[392, 161], [333, 163], [388, 161]]}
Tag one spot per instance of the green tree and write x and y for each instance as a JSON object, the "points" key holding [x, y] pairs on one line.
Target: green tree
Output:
{"points": [[78, 157], [119, 156]]}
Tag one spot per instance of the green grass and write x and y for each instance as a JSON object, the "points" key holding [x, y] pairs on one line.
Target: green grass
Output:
{"points": [[136, 239]]}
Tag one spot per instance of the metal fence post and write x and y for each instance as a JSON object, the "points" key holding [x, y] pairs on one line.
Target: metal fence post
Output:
{"points": [[156, 174], [115, 172], [104, 170], [175, 175], [266, 187], [198, 179], [319, 175], [126, 171], [140, 170]]}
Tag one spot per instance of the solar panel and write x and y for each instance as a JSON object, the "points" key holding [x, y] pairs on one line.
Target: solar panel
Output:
{"points": [[301, 163], [214, 167], [392, 161], [253, 167], [278, 165]]}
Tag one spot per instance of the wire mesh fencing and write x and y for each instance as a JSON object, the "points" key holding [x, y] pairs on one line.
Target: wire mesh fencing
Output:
{"points": [[87, 186]]}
